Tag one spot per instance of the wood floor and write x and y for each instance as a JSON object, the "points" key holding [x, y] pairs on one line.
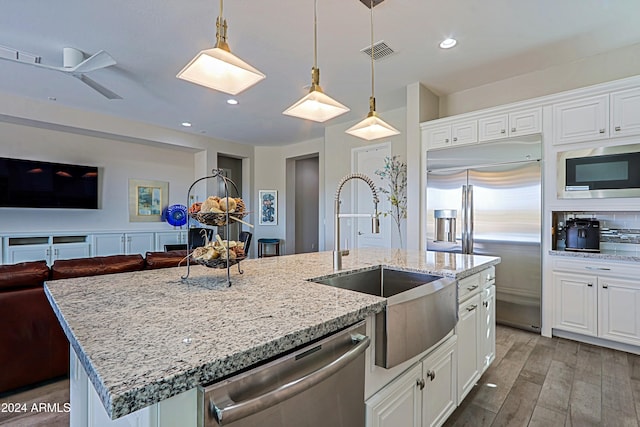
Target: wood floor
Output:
{"points": [[534, 381], [538, 381]]}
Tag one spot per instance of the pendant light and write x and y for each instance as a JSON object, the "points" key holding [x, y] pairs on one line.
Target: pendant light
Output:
{"points": [[217, 68], [372, 127], [316, 105]]}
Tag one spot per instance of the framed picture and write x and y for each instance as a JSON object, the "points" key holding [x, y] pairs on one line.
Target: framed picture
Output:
{"points": [[147, 200], [268, 202]]}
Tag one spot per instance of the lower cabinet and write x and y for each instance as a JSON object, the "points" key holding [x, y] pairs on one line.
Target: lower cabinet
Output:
{"points": [[48, 248], [425, 395], [123, 243], [469, 345], [487, 327], [603, 304]]}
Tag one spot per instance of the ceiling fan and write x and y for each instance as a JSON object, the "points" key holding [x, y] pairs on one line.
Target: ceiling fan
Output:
{"points": [[73, 64]]}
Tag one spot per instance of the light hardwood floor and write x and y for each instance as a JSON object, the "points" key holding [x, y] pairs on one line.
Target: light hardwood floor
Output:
{"points": [[534, 381], [537, 381]]}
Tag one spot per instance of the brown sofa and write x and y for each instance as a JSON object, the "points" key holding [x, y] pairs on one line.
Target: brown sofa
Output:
{"points": [[33, 347]]}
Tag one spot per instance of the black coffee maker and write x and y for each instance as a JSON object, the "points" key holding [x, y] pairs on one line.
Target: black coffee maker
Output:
{"points": [[583, 235]]}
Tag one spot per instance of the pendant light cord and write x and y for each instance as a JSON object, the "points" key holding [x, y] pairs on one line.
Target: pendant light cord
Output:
{"points": [[372, 74], [315, 34]]}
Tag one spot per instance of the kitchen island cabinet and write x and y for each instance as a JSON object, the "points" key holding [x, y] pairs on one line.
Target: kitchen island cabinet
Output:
{"points": [[146, 340]]}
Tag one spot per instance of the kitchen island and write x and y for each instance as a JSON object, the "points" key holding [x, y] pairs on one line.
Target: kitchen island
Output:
{"points": [[144, 337]]}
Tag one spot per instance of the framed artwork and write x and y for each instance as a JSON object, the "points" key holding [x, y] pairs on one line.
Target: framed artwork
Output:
{"points": [[147, 200], [268, 202]]}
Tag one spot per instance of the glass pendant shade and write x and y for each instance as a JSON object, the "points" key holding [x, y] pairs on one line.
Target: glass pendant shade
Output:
{"points": [[316, 106], [220, 70], [372, 127]]}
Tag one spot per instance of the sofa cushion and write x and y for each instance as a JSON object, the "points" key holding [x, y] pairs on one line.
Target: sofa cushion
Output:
{"points": [[96, 266], [23, 275], [155, 260]]}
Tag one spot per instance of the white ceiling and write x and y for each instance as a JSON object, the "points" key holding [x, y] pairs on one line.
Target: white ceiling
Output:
{"points": [[152, 40]]}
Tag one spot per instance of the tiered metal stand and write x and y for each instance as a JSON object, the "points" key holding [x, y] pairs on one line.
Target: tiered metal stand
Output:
{"points": [[214, 220]]}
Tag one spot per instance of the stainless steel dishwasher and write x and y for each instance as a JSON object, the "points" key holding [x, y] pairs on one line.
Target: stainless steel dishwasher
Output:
{"points": [[321, 384]]}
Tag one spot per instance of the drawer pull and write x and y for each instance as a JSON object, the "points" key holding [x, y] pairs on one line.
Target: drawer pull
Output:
{"points": [[503, 131], [513, 129], [605, 286], [473, 307], [489, 278], [455, 138], [590, 284], [617, 128], [598, 268], [602, 130], [470, 288]]}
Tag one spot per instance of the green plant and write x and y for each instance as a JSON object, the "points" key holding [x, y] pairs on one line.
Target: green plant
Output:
{"points": [[394, 176]]}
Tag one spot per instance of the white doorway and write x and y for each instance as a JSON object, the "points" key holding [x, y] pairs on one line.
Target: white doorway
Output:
{"points": [[366, 161]]}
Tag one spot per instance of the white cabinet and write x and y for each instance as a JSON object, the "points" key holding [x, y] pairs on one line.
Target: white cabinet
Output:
{"points": [[581, 120], [458, 133], [48, 248], [517, 123], [619, 310], [425, 395], [603, 303], [597, 117], [170, 238], [487, 326], [469, 344], [399, 404], [575, 302], [625, 112], [123, 243]]}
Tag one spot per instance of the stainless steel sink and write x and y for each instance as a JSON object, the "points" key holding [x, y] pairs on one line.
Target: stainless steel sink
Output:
{"points": [[421, 309]]}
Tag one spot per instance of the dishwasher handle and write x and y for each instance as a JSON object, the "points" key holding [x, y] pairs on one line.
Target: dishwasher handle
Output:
{"points": [[231, 413]]}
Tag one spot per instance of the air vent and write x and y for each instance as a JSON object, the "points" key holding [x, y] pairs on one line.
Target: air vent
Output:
{"points": [[380, 50]]}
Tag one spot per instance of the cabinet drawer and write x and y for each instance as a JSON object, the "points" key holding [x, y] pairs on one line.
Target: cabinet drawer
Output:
{"points": [[488, 277], [468, 286], [604, 268]]}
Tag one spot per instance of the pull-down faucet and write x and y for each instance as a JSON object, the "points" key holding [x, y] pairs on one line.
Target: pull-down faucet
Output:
{"points": [[375, 222]]}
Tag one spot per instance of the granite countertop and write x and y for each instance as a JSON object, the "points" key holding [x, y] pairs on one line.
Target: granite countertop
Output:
{"points": [[604, 254], [145, 336]]}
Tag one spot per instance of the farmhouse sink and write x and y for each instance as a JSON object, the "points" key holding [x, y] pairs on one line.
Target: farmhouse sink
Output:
{"points": [[421, 309]]}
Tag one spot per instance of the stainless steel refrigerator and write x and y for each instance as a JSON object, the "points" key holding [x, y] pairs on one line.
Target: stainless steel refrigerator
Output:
{"points": [[486, 199]]}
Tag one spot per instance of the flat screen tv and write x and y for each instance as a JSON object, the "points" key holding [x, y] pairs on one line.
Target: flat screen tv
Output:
{"points": [[36, 184]]}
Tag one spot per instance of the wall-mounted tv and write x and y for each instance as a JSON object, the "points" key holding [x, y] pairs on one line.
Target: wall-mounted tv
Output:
{"points": [[36, 184]]}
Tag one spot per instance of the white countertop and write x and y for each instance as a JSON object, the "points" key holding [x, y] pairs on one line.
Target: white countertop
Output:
{"points": [[145, 336]]}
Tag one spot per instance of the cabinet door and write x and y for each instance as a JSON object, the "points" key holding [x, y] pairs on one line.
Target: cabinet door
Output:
{"points": [[619, 310], [487, 326], [168, 238], [107, 244], [16, 254], [582, 120], [468, 345], [439, 394], [139, 243], [438, 137], [494, 127], [525, 122], [70, 250], [464, 133], [575, 303], [625, 113], [398, 404]]}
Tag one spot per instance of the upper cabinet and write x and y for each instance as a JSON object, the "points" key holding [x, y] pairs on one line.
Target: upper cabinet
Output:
{"points": [[517, 123], [597, 117], [457, 133]]}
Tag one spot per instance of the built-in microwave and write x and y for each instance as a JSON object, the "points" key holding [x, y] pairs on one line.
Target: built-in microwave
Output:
{"points": [[599, 172]]}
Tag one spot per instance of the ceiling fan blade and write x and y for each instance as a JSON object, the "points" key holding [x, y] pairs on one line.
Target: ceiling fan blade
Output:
{"points": [[97, 87], [96, 61]]}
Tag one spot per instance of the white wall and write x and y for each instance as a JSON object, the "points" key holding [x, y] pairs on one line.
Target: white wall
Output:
{"points": [[612, 65]]}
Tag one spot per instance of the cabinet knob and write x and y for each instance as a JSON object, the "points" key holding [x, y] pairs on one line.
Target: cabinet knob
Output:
{"points": [[485, 303], [513, 129], [431, 375], [601, 130], [503, 131], [420, 383], [446, 140], [455, 138], [617, 128]]}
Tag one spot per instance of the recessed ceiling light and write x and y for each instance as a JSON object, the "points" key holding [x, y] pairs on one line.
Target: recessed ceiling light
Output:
{"points": [[186, 124], [448, 43], [232, 101]]}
